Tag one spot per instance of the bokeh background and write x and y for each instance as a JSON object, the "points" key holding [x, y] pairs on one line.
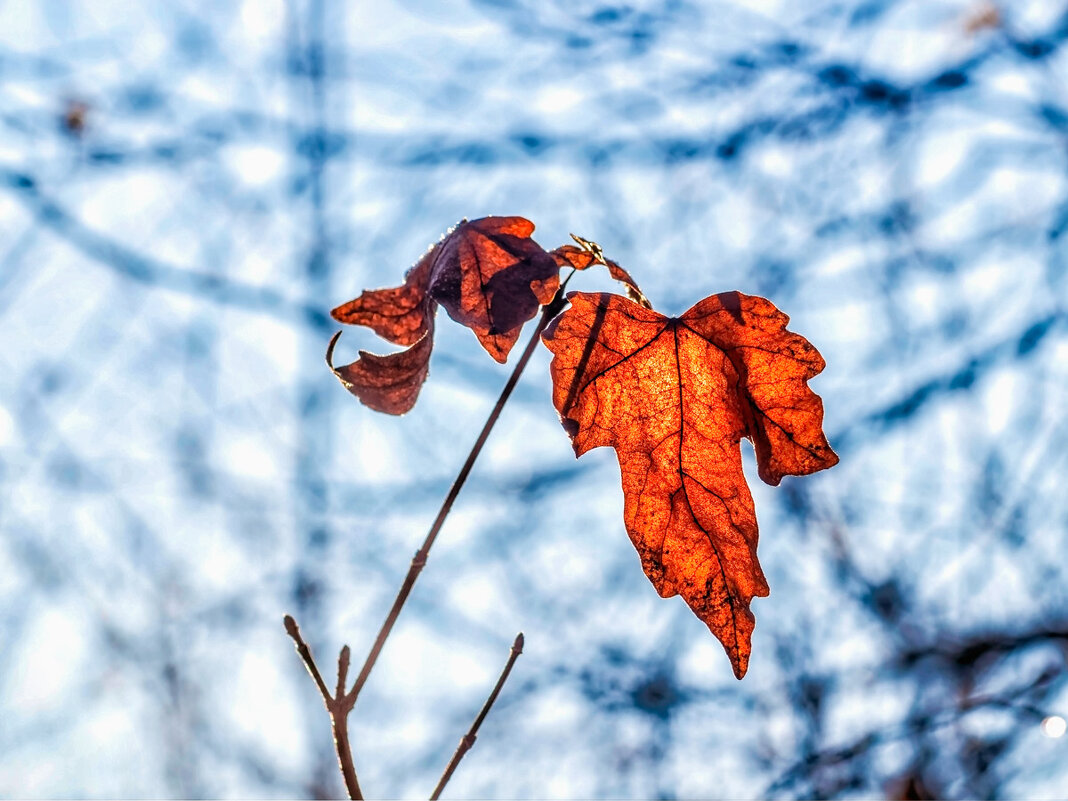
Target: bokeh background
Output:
{"points": [[186, 189]]}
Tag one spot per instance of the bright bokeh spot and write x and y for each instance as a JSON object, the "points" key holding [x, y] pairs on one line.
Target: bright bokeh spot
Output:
{"points": [[257, 164], [1054, 726], [557, 99]]}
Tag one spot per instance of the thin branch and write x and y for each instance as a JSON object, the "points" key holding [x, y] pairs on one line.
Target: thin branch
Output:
{"points": [[340, 720], [419, 560], [342, 670], [338, 705], [468, 740], [305, 654]]}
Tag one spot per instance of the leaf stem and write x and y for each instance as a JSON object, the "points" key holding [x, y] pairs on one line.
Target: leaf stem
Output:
{"points": [[468, 740]]}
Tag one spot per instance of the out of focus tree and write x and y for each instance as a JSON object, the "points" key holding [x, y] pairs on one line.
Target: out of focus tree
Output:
{"points": [[179, 468]]}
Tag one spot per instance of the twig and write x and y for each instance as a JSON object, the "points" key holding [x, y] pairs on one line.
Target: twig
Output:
{"points": [[468, 740], [338, 705], [419, 560]]}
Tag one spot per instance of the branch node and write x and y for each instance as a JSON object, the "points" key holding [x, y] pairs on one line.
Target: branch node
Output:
{"points": [[338, 706]]}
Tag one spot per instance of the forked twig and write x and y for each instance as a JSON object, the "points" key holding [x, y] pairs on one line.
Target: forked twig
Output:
{"points": [[468, 740], [338, 705], [419, 560]]}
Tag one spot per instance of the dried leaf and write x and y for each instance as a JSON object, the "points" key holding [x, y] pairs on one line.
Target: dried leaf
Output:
{"points": [[582, 258], [492, 277], [488, 274], [674, 397], [399, 314], [389, 383]]}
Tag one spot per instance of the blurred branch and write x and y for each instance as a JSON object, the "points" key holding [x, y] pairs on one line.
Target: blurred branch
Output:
{"points": [[468, 740], [146, 269], [980, 650], [959, 662], [962, 378]]}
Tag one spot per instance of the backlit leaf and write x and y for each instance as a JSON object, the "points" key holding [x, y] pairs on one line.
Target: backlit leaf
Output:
{"points": [[674, 397]]}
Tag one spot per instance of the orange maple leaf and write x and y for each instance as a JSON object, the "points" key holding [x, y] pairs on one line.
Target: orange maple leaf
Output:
{"points": [[674, 397], [488, 274]]}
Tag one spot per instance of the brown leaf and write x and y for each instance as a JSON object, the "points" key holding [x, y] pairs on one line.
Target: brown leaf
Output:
{"points": [[389, 383], [674, 397], [399, 314], [492, 277], [487, 273], [583, 258]]}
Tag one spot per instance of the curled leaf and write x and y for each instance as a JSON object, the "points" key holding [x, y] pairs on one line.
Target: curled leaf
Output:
{"points": [[389, 383], [589, 254], [674, 397], [491, 277], [488, 274]]}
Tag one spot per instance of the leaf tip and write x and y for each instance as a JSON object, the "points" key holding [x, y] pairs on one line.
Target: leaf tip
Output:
{"points": [[330, 351], [572, 429], [338, 312]]}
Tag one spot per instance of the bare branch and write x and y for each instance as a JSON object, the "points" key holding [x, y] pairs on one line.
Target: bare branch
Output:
{"points": [[305, 654], [420, 558], [468, 740], [338, 705]]}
